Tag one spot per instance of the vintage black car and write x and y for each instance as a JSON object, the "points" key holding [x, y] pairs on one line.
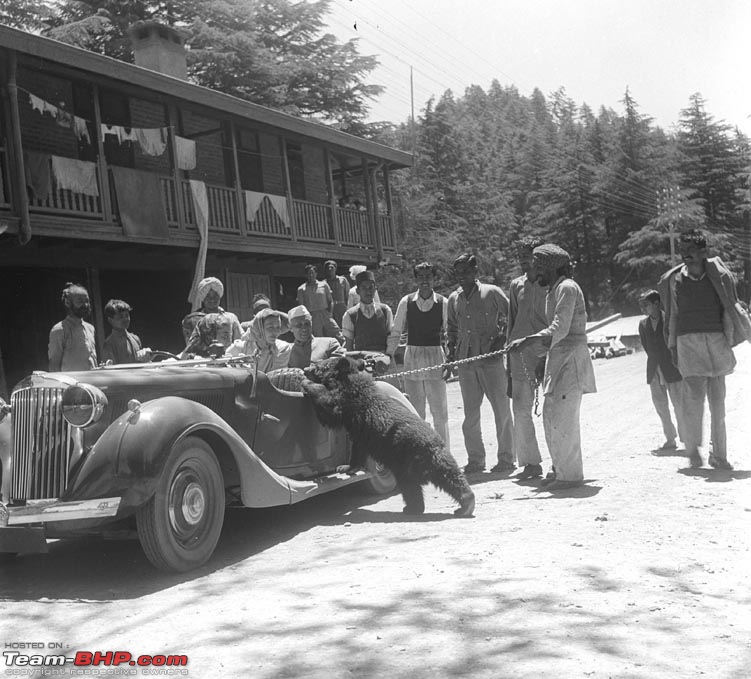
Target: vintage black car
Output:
{"points": [[164, 446]]}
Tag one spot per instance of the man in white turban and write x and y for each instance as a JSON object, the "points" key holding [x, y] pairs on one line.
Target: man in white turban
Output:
{"points": [[209, 293], [568, 369]]}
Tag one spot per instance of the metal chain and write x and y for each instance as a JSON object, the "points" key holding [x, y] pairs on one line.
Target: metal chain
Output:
{"points": [[449, 364], [533, 381]]}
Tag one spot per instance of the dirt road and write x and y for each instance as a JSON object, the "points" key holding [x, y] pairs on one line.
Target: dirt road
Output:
{"points": [[642, 573]]}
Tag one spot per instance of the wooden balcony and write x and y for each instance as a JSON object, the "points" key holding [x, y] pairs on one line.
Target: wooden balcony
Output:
{"points": [[275, 218]]}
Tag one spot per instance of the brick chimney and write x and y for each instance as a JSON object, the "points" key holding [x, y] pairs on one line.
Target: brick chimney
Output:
{"points": [[159, 48]]}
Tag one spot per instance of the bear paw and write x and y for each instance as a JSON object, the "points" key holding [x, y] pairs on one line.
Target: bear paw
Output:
{"points": [[466, 506]]}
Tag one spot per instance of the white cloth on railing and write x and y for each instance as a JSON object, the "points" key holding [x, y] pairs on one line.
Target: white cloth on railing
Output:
{"points": [[254, 201], [185, 152], [151, 140], [78, 176], [201, 209]]}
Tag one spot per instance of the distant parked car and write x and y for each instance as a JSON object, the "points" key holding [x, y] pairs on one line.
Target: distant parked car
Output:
{"points": [[163, 448]]}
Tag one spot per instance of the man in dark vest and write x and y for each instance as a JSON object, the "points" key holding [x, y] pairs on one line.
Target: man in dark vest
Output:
{"points": [[663, 377], [422, 316], [703, 322], [366, 327]]}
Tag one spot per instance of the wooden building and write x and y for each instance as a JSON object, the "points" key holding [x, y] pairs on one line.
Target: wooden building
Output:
{"points": [[125, 179]]}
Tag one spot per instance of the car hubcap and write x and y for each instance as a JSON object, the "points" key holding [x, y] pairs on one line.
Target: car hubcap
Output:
{"points": [[187, 505]]}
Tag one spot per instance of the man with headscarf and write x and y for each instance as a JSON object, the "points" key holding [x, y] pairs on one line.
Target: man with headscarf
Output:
{"points": [[208, 295], [261, 340], [475, 323], [308, 349], [339, 286], [568, 370]]}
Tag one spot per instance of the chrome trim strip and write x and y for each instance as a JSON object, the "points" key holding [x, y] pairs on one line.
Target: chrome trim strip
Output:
{"points": [[42, 511]]}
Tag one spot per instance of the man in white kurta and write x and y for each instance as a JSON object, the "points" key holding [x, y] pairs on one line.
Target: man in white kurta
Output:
{"points": [[421, 315], [568, 372]]}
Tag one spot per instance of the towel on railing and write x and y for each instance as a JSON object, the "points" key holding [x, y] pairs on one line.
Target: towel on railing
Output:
{"points": [[201, 209], [254, 201], [78, 176], [38, 177], [139, 202], [185, 150]]}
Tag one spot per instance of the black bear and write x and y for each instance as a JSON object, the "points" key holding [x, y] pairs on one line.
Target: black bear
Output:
{"points": [[380, 427]]}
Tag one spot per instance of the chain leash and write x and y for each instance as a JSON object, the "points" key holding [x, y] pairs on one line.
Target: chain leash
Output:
{"points": [[534, 382], [449, 364]]}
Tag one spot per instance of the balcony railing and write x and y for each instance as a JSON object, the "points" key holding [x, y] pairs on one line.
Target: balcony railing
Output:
{"points": [[309, 221]]}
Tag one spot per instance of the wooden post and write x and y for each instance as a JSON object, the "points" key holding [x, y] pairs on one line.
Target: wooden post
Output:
{"points": [[21, 197], [332, 194], [97, 308], [288, 191], [238, 186], [172, 118]]}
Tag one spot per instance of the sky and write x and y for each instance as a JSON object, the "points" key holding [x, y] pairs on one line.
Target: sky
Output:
{"points": [[663, 51]]}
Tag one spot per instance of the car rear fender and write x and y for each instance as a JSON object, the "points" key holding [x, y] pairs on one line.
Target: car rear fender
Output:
{"points": [[130, 456]]}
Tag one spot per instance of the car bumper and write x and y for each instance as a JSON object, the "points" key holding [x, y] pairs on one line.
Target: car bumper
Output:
{"points": [[43, 511]]}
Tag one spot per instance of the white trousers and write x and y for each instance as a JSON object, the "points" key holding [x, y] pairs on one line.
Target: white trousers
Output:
{"points": [[560, 416], [434, 392]]}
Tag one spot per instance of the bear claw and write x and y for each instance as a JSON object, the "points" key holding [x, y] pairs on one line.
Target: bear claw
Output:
{"points": [[466, 507]]}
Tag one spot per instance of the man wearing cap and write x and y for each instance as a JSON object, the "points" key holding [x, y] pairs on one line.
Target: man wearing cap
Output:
{"points": [[422, 315], [353, 299], [308, 349], [339, 286], [568, 370], [316, 296], [206, 301], [475, 326], [366, 327]]}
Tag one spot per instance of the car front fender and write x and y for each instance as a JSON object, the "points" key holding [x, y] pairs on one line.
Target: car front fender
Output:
{"points": [[129, 458]]}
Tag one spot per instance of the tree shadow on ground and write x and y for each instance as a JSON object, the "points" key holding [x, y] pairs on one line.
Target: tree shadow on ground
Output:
{"points": [[93, 569]]}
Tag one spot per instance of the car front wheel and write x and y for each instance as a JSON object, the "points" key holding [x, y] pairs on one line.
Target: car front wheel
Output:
{"points": [[180, 526]]}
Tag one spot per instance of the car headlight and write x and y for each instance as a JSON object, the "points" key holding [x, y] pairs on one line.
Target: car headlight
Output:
{"points": [[4, 409], [83, 405]]}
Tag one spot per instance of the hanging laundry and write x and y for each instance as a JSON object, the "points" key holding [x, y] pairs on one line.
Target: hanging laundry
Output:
{"points": [[38, 177], [78, 176], [129, 134], [81, 129], [37, 103], [185, 150], [64, 119], [50, 108], [114, 130], [151, 140]]}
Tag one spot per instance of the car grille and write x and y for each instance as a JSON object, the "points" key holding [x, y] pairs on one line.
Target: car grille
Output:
{"points": [[42, 444]]}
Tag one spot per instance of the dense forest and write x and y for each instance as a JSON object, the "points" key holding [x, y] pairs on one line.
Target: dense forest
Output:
{"points": [[608, 186]]}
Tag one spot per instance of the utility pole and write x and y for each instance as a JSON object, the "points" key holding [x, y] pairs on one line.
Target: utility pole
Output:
{"points": [[669, 206]]}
